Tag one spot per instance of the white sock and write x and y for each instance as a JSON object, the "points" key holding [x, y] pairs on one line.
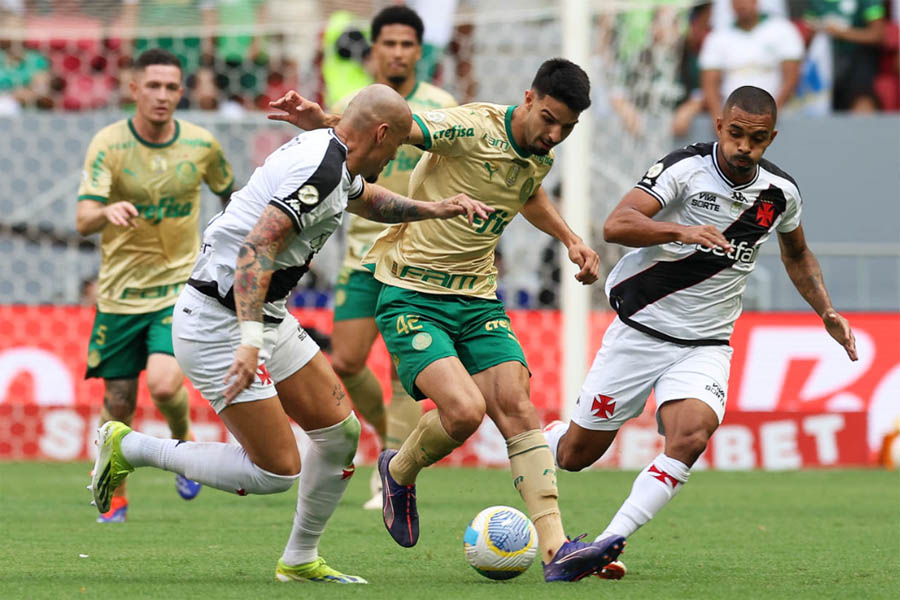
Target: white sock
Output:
{"points": [[327, 467], [222, 466], [553, 435], [653, 488]]}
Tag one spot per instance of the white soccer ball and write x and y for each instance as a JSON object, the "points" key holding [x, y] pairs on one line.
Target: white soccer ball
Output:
{"points": [[500, 542]]}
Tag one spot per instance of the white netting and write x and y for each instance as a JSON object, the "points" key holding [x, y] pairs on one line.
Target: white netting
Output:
{"points": [[71, 67]]}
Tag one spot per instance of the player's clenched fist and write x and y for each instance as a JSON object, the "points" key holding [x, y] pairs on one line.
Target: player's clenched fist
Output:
{"points": [[705, 235], [242, 371], [584, 256], [121, 214], [461, 204]]}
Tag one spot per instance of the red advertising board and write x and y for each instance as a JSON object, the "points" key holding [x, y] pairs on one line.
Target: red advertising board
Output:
{"points": [[795, 400]]}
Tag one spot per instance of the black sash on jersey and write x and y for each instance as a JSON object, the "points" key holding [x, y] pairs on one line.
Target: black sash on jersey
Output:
{"points": [[281, 284], [664, 278]]}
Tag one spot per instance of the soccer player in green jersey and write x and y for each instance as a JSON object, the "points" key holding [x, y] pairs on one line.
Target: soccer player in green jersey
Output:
{"points": [[448, 334], [141, 190], [396, 49]]}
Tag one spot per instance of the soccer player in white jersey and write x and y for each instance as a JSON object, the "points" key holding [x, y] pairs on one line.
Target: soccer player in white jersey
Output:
{"points": [[697, 219], [438, 311], [242, 350]]}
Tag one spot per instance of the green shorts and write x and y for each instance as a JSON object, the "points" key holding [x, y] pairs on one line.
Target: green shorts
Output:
{"points": [[355, 295], [120, 344], [419, 329]]}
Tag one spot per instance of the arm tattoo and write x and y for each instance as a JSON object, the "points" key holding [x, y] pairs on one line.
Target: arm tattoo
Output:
{"points": [[806, 275], [256, 262], [338, 393], [384, 206]]}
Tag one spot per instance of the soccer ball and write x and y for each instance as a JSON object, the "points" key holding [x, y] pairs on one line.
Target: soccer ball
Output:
{"points": [[500, 542]]}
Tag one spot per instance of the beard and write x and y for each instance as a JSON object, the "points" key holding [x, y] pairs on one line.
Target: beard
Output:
{"points": [[371, 178], [397, 80]]}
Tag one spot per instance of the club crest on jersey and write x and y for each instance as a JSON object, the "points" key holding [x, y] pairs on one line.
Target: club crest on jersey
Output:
{"points": [[436, 116], [765, 214]]}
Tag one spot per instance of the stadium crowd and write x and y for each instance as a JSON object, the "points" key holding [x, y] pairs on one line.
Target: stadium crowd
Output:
{"points": [[75, 55]]}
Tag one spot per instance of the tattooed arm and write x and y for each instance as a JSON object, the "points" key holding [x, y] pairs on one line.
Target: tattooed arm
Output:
{"points": [[255, 265], [377, 203], [806, 275]]}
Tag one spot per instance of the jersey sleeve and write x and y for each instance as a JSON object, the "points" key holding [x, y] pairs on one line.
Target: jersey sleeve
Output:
{"points": [[357, 187], [790, 220], [790, 46], [448, 131], [662, 179], [304, 187], [96, 177], [218, 176], [712, 57]]}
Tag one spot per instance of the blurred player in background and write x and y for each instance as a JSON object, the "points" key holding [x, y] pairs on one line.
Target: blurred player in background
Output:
{"points": [[141, 189], [697, 218], [396, 48], [447, 332], [245, 352]]}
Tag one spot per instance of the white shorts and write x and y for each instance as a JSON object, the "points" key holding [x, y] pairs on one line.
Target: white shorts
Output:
{"points": [[206, 334], [630, 364]]}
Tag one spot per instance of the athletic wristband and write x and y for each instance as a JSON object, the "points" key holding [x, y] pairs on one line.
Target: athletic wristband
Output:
{"points": [[252, 333]]}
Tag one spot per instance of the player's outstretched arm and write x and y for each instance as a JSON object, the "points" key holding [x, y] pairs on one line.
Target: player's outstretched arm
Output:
{"points": [[541, 213], [255, 265], [380, 204], [631, 223], [806, 275], [92, 216]]}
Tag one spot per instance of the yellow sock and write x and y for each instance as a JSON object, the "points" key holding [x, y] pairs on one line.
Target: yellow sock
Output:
{"points": [[428, 443], [534, 475], [364, 390], [177, 413], [402, 416]]}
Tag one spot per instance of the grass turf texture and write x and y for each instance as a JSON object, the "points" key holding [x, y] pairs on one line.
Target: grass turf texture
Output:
{"points": [[816, 534]]}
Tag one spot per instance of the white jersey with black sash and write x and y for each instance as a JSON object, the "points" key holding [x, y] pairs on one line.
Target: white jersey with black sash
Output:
{"points": [[307, 179], [688, 294]]}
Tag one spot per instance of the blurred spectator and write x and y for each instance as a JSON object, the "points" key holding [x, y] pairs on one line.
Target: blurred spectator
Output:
{"points": [[161, 15], [242, 49], [757, 50], [24, 77], [344, 53], [692, 101], [83, 61], [887, 82], [723, 15], [856, 28]]}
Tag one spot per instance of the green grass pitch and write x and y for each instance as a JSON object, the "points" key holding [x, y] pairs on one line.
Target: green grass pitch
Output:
{"points": [[814, 534]]}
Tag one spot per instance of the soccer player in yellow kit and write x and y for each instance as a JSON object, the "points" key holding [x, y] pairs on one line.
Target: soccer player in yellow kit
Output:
{"points": [[141, 189], [396, 48], [447, 332]]}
